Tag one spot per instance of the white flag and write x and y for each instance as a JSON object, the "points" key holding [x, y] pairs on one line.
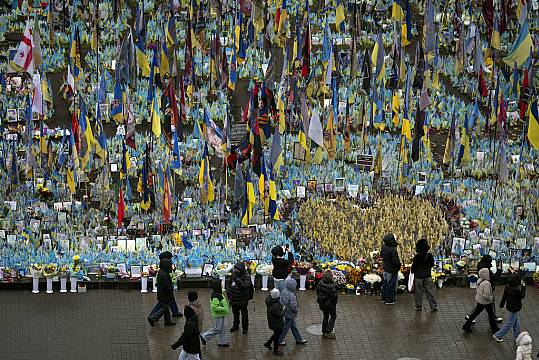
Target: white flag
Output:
{"points": [[24, 58], [315, 129], [37, 99]]}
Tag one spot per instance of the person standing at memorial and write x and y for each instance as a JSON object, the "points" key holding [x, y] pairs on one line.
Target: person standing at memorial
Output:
{"points": [[281, 261], [391, 265], [165, 293], [219, 309], [421, 268], [327, 302], [240, 292]]}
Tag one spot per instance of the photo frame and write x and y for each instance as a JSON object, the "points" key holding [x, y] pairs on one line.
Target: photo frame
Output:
{"points": [[311, 186], [421, 178], [136, 271], [520, 243], [364, 162], [11, 239], [207, 269], [353, 190], [2, 234], [530, 266], [458, 245], [339, 184], [231, 244], [300, 192], [131, 245], [328, 188], [12, 116], [21, 114], [140, 243], [113, 168], [299, 152]]}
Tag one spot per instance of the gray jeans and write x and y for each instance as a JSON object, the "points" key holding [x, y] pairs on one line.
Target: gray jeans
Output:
{"points": [[218, 329], [425, 285]]}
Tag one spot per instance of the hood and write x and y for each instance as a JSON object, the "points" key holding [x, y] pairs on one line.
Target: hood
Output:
{"points": [[484, 274], [486, 261], [188, 312], [422, 246], [166, 265], [514, 280], [240, 266], [328, 277], [524, 339], [165, 255], [192, 296], [270, 301], [390, 240], [216, 285], [290, 284], [277, 251]]}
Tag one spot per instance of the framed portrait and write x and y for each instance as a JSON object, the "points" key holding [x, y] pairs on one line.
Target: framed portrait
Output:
{"points": [[421, 178], [458, 245], [231, 244], [320, 188], [135, 271], [311, 185], [339, 184], [300, 192], [207, 269], [530, 266], [385, 183], [520, 243], [131, 245], [11, 239], [2, 234], [197, 232], [328, 188], [156, 238], [519, 212], [353, 190], [12, 115], [21, 114], [299, 152], [140, 243]]}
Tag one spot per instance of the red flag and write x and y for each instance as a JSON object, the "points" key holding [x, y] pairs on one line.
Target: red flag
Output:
{"points": [[306, 52], [483, 90], [75, 130], [121, 208], [523, 101], [167, 202]]}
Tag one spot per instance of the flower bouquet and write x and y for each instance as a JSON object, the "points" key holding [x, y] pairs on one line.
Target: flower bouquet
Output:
{"points": [[339, 279], [223, 269], [265, 271], [472, 280], [354, 276], [63, 272], [152, 271], [535, 278], [302, 268], [36, 271], [371, 281], [350, 288], [50, 271], [110, 271], [251, 266]]}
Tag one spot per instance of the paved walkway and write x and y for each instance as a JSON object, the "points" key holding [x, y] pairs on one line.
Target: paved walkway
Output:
{"points": [[111, 324]]}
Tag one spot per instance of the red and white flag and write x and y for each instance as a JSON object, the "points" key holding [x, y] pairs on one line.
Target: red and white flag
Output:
{"points": [[24, 58]]}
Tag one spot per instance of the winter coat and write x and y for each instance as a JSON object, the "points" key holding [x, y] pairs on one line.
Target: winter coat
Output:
{"points": [[241, 289], [326, 294], [483, 294], [190, 339], [275, 312], [289, 299], [391, 262], [486, 263], [199, 312], [524, 349], [513, 294], [281, 265], [218, 301], [165, 290], [422, 265]]}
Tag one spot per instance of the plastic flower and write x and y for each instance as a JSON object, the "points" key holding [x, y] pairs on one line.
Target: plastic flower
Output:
{"points": [[372, 278]]}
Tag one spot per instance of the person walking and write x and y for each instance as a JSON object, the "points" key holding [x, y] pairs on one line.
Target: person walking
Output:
{"points": [[391, 265], [165, 293], [281, 261], [486, 263], [194, 304], [189, 340], [240, 292], [515, 291], [219, 309], [421, 268], [173, 306], [275, 313], [327, 301], [289, 300], [483, 298]]}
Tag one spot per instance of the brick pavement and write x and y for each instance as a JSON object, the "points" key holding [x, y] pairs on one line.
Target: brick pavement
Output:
{"points": [[111, 324]]}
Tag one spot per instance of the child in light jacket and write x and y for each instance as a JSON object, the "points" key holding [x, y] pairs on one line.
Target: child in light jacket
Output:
{"points": [[484, 299]]}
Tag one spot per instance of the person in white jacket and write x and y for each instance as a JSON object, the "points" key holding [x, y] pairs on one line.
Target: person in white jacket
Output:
{"points": [[484, 300], [524, 349]]}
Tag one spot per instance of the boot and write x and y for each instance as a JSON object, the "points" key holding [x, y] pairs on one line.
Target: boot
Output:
{"points": [[277, 352]]}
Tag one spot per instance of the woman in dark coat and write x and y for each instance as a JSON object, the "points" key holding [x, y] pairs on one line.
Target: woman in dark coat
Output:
{"points": [[327, 301], [165, 293], [240, 292], [281, 263], [421, 268]]}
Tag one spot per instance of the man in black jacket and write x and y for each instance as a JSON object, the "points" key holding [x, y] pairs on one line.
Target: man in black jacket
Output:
{"points": [[240, 292], [165, 293], [421, 268], [281, 262], [173, 306], [190, 339], [391, 265]]}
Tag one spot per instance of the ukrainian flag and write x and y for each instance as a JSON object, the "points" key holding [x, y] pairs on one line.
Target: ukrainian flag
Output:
{"points": [[521, 48], [262, 180], [282, 17], [205, 178], [533, 125], [273, 211], [395, 108], [116, 108], [339, 16], [156, 117], [126, 162], [397, 12], [406, 28], [146, 201], [302, 139], [250, 199], [232, 70]]}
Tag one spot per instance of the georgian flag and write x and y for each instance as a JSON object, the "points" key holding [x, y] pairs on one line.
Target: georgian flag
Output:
{"points": [[37, 98], [24, 58]]}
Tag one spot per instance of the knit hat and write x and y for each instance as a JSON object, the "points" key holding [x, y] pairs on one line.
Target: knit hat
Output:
{"points": [[275, 293], [192, 296]]}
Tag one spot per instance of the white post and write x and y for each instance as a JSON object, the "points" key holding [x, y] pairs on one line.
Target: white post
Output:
{"points": [[253, 277], [49, 285], [35, 285], [265, 283], [63, 285], [223, 281], [154, 280], [144, 284], [302, 281], [73, 284]]}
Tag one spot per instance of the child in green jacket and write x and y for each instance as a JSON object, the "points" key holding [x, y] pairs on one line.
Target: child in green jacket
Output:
{"points": [[219, 309]]}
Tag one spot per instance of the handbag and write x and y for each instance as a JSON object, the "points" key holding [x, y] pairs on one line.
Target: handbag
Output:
{"points": [[411, 283]]}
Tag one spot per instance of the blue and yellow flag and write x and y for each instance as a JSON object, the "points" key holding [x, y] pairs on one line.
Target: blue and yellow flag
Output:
{"points": [[521, 48], [146, 201], [533, 125], [250, 200], [397, 12], [273, 211], [205, 178], [116, 108], [406, 28], [156, 117], [126, 162], [339, 16], [75, 55]]}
